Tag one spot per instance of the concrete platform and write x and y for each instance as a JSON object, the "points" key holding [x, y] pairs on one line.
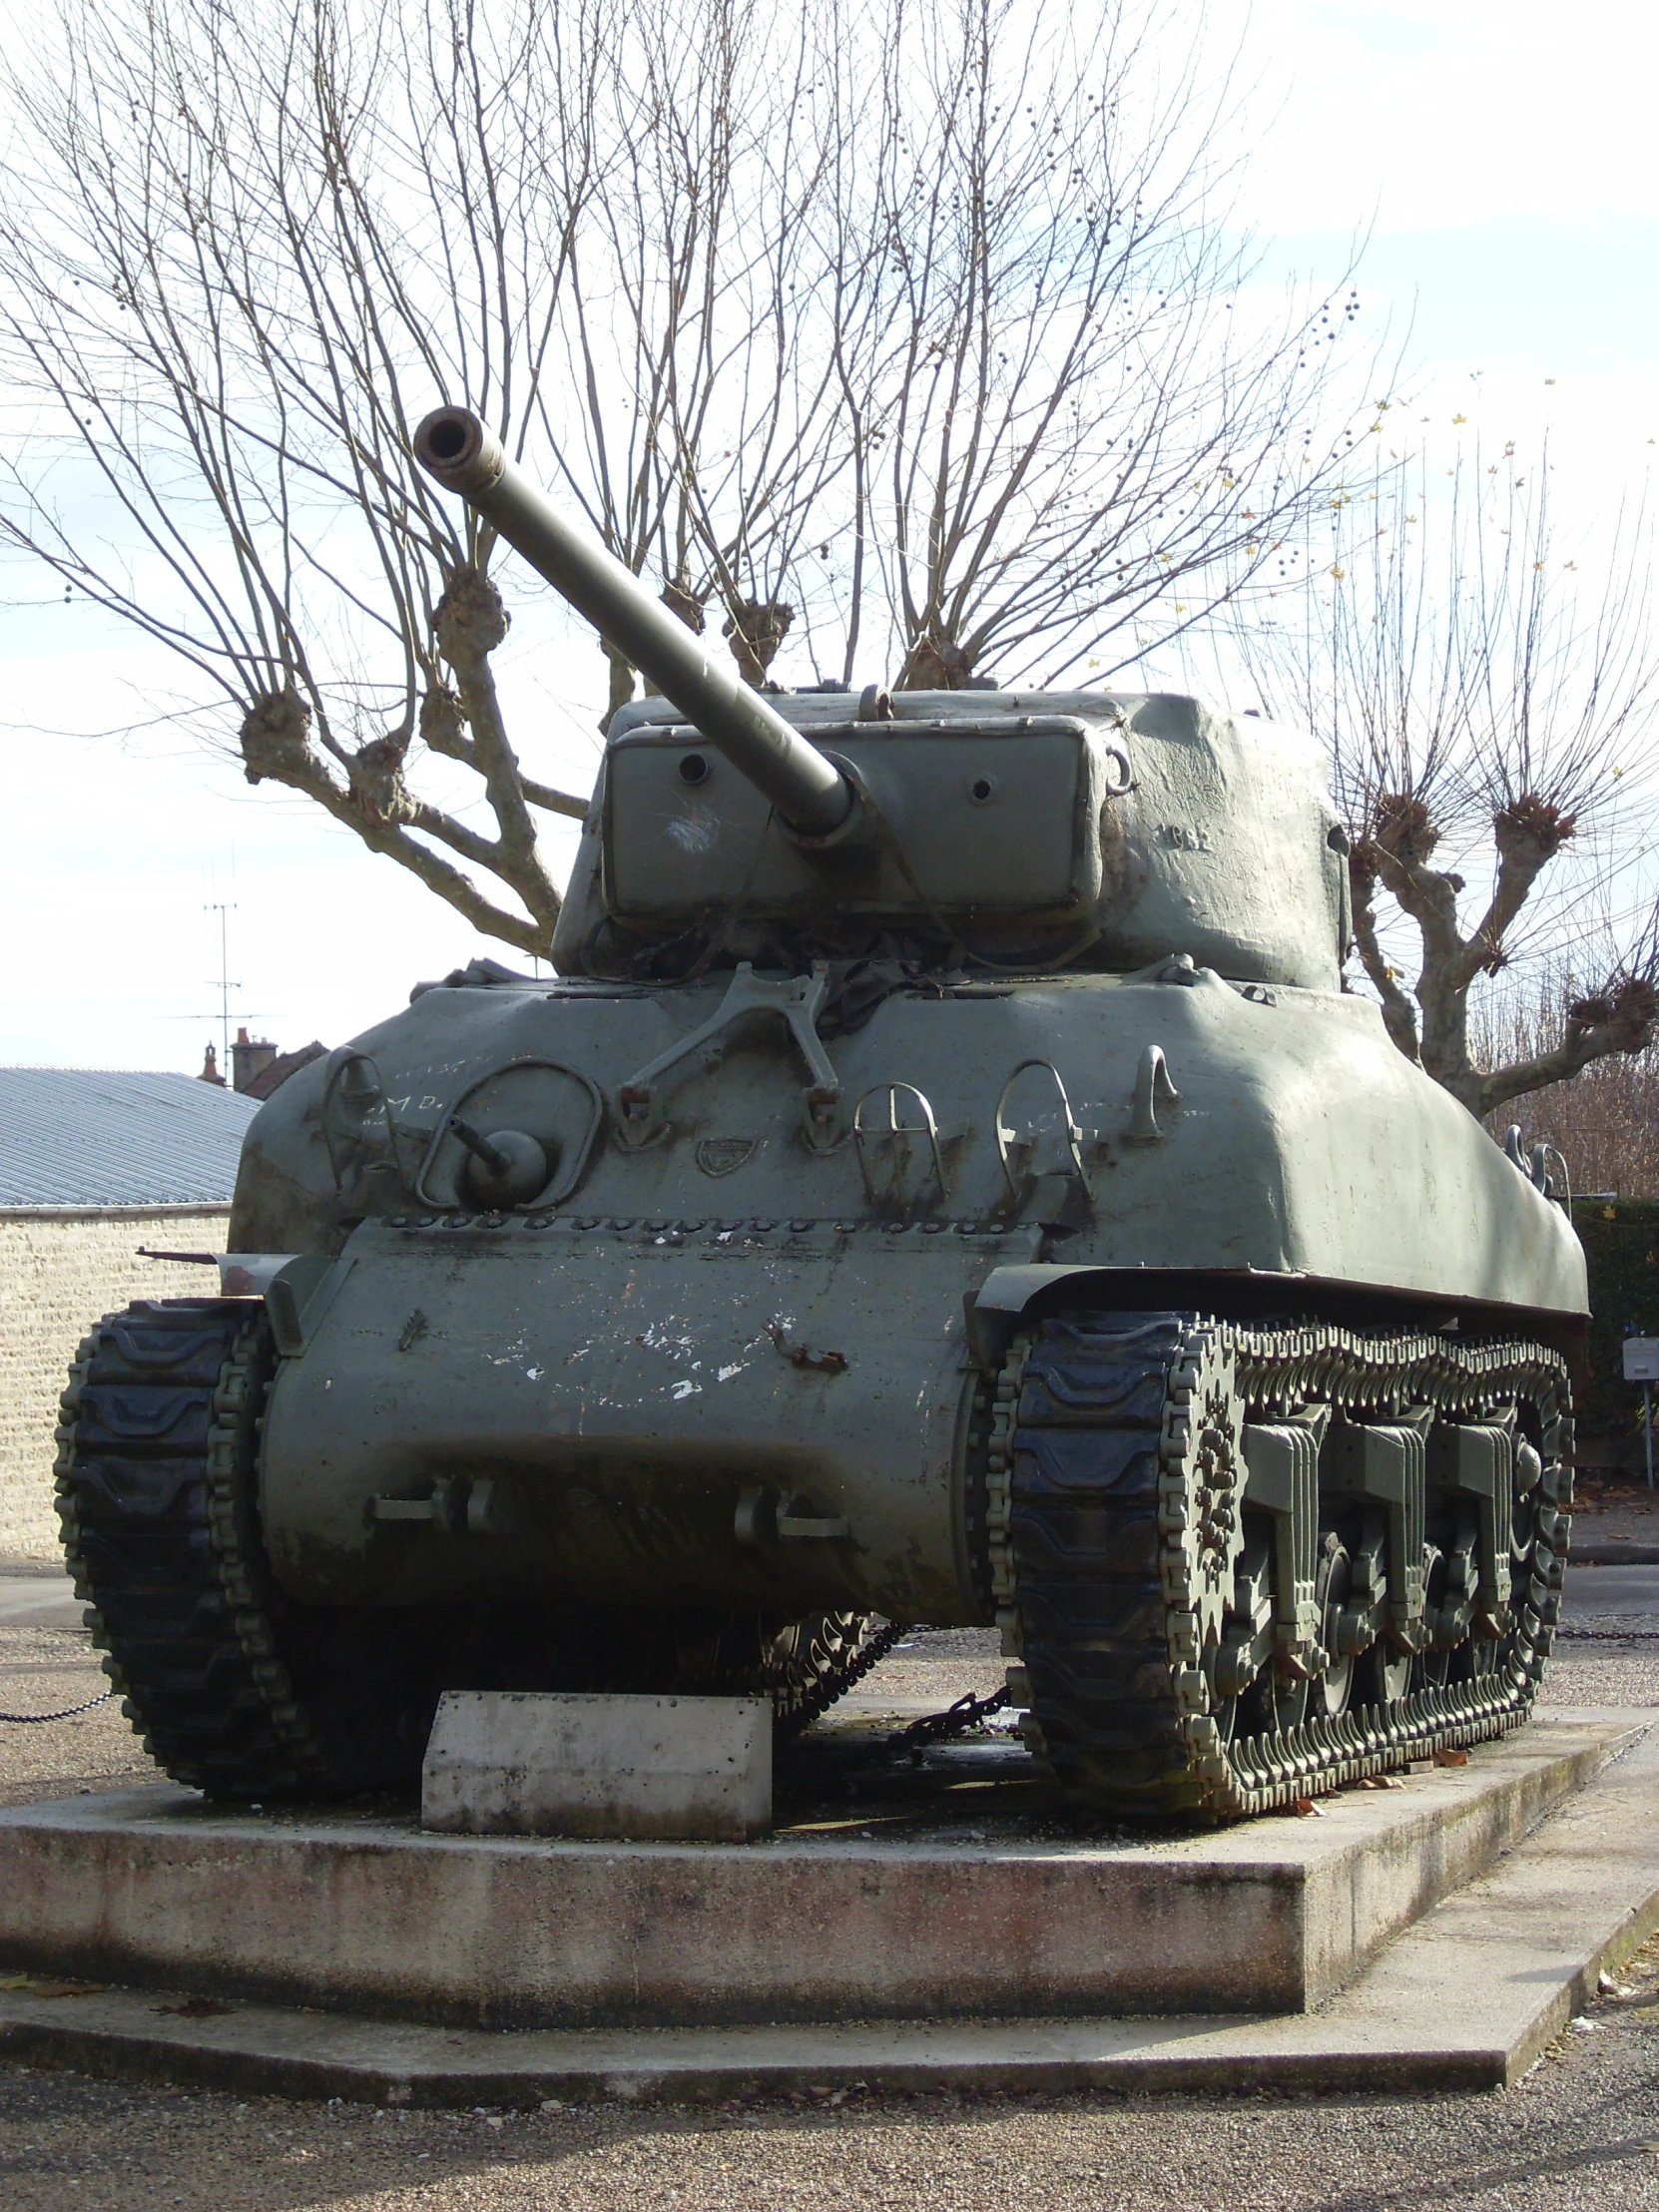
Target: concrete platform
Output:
{"points": [[958, 1918], [1467, 1999]]}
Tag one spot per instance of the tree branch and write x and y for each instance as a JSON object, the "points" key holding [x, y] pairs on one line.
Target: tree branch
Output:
{"points": [[276, 747], [1622, 1021]]}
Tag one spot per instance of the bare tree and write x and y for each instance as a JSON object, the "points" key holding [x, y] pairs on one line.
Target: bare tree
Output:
{"points": [[237, 268], [711, 426], [1077, 415], [1473, 696]]}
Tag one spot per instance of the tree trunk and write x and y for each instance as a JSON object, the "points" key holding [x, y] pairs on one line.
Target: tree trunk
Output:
{"points": [[755, 629], [935, 664]]}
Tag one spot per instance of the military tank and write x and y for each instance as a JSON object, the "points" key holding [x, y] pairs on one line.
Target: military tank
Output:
{"points": [[944, 1180]]}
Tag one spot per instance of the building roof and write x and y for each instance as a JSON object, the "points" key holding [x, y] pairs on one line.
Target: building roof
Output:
{"points": [[93, 1138], [276, 1073]]}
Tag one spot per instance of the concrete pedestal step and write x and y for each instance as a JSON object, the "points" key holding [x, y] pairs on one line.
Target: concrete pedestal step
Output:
{"points": [[1466, 1998], [962, 1918]]}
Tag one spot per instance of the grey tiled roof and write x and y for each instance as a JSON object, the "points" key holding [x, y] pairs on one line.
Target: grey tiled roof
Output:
{"points": [[84, 1137]]}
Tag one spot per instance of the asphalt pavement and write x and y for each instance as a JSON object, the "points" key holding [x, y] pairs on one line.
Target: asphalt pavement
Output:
{"points": [[1601, 1593], [38, 1600]]}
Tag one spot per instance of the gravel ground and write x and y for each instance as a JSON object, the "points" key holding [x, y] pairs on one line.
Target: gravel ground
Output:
{"points": [[42, 1669], [1581, 2132], [939, 1664]]}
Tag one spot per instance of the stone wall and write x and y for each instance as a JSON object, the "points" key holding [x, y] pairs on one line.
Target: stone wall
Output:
{"points": [[58, 1274]]}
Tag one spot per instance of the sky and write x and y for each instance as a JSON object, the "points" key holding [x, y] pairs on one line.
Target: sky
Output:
{"points": [[1498, 160]]}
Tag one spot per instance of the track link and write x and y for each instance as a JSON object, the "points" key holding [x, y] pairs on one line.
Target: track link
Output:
{"points": [[1109, 1498]]}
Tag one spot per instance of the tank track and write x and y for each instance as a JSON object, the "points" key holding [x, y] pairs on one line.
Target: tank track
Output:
{"points": [[1109, 1499], [157, 1428], [842, 1654], [232, 1689]]}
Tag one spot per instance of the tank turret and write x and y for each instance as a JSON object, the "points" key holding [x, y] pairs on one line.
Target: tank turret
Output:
{"points": [[1086, 828]]}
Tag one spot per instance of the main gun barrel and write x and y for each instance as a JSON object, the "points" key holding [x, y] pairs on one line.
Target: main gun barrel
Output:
{"points": [[465, 457]]}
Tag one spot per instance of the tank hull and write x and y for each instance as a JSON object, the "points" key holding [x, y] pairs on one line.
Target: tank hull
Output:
{"points": [[748, 1319], [643, 1390]]}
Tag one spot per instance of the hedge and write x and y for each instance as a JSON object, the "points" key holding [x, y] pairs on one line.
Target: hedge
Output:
{"points": [[1621, 1250]]}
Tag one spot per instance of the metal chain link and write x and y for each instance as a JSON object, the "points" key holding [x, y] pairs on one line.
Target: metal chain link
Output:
{"points": [[1609, 1635], [28, 1720], [818, 1700], [938, 1728]]}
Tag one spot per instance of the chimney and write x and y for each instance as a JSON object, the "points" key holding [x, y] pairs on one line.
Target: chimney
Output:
{"points": [[210, 1069], [249, 1058]]}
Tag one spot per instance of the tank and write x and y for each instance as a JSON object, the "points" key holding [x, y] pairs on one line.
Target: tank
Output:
{"points": [[945, 1180]]}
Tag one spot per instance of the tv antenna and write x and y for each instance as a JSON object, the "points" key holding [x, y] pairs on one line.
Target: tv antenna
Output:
{"points": [[223, 911]]}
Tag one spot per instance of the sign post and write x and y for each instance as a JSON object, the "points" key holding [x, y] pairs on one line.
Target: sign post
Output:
{"points": [[1641, 1364]]}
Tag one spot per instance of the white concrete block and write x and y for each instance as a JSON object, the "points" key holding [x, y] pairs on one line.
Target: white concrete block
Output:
{"points": [[544, 1763]]}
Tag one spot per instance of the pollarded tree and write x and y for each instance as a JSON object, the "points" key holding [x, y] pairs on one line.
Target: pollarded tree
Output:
{"points": [[233, 274], [242, 253], [1486, 718], [917, 316], [692, 327]]}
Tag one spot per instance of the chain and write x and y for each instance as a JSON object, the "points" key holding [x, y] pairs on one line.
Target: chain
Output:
{"points": [[938, 1728], [1609, 1635], [29, 1720]]}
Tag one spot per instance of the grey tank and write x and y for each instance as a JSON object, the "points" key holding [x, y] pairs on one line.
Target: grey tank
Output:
{"points": [[946, 1179]]}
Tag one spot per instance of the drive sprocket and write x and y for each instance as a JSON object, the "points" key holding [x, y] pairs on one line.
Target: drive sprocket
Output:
{"points": [[232, 1689]]}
